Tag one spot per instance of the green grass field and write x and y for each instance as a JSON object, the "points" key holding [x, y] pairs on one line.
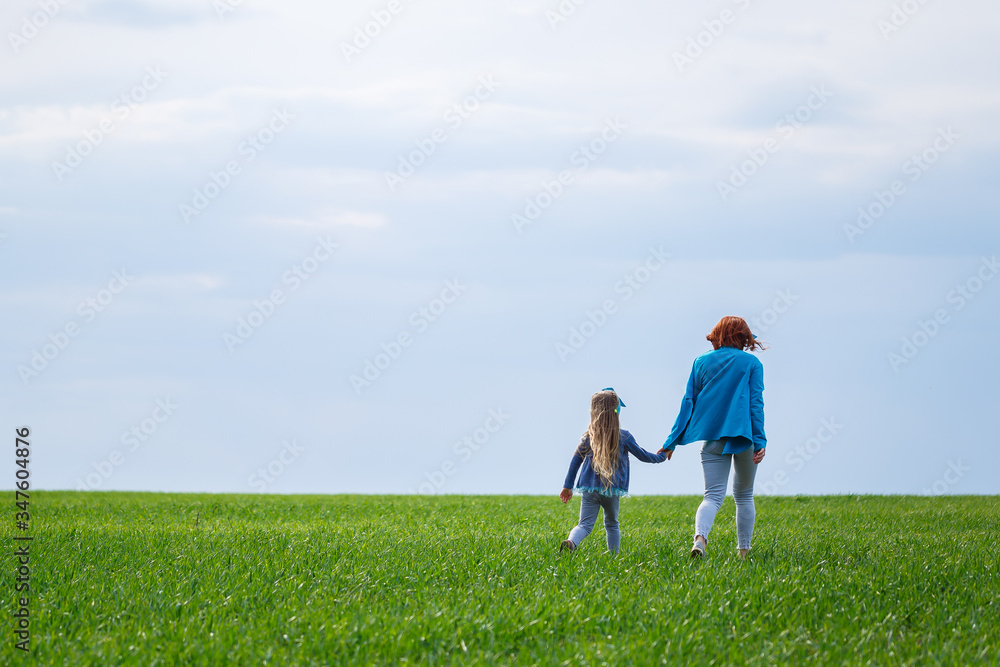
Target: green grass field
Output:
{"points": [[172, 579]]}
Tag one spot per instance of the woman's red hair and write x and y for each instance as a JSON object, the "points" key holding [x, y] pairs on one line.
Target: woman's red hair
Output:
{"points": [[732, 331]]}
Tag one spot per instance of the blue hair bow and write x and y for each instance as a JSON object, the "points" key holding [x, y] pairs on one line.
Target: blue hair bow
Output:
{"points": [[621, 403]]}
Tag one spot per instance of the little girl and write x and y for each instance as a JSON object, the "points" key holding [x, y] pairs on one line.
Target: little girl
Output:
{"points": [[603, 452]]}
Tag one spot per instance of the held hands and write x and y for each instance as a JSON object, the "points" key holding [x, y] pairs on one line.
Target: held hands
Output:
{"points": [[565, 495], [758, 456]]}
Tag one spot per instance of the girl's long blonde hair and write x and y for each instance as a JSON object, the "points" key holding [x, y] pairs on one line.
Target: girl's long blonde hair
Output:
{"points": [[603, 432]]}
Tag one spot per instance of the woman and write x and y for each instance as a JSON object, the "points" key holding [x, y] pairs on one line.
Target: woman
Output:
{"points": [[723, 410]]}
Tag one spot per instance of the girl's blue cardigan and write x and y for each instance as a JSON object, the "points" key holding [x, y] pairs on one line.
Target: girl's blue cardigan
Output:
{"points": [[590, 481]]}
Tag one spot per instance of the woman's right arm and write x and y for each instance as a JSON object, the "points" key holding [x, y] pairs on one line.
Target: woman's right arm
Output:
{"points": [[757, 407]]}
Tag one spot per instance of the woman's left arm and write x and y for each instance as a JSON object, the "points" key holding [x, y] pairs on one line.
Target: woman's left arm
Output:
{"points": [[684, 416]]}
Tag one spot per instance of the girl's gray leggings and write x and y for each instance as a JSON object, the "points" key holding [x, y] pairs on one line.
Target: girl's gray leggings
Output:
{"points": [[716, 468], [592, 502]]}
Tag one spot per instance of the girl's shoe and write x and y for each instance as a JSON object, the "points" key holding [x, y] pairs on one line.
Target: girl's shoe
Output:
{"points": [[698, 550], [567, 544]]}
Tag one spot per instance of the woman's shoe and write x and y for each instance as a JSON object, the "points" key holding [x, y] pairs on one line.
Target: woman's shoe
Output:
{"points": [[698, 550], [567, 544]]}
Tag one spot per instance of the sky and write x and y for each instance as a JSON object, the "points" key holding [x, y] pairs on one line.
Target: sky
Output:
{"points": [[394, 246]]}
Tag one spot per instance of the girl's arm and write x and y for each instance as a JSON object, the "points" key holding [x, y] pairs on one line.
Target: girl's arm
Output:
{"points": [[638, 452], [574, 467], [757, 407]]}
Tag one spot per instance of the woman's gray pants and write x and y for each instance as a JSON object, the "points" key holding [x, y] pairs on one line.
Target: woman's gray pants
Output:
{"points": [[592, 502], [716, 467]]}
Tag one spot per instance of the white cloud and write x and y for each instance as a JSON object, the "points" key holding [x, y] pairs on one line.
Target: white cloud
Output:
{"points": [[451, 219], [201, 282], [326, 220]]}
